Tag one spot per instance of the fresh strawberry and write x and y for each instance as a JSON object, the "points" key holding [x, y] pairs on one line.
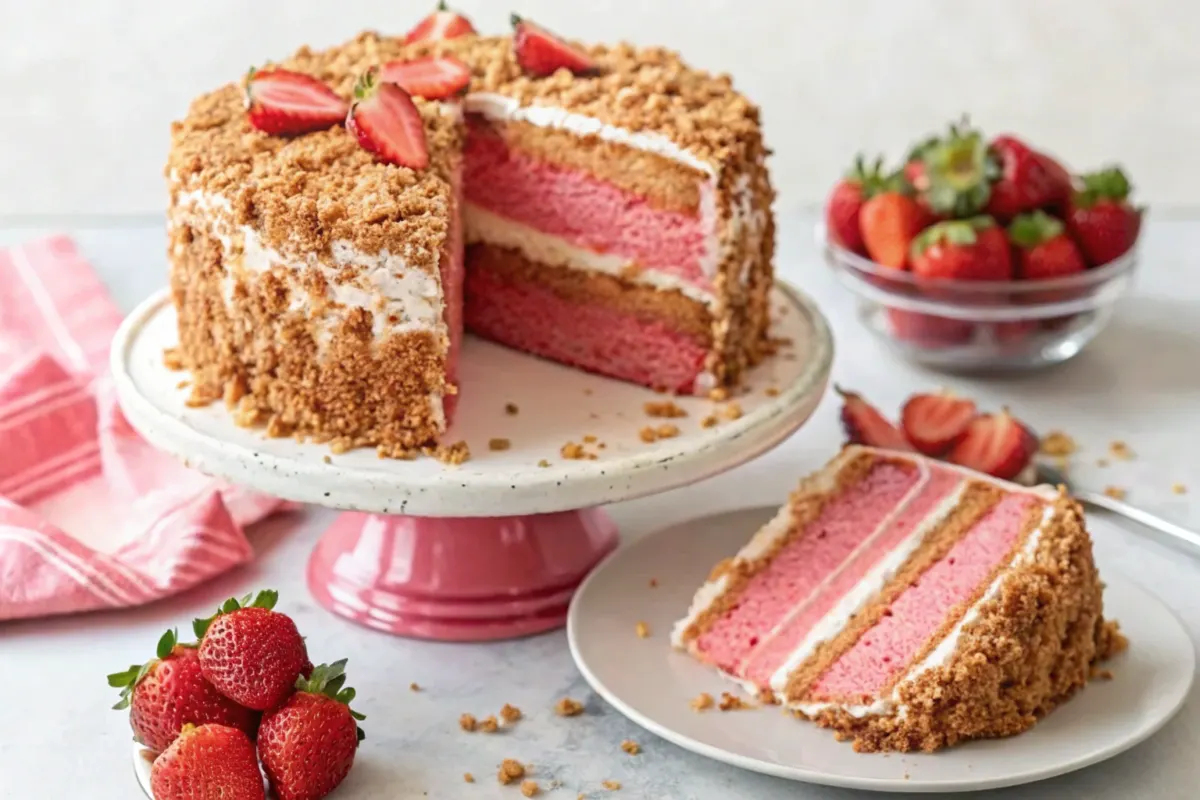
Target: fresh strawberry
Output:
{"points": [[956, 173], [250, 653], [434, 78], [1101, 219], [1028, 180], [541, 53], [1043, 248], [935, 422], [441, 24], [995, 444], [889, 222], [387, 123], [169, 692], [846, 201], [208, 762], [285, 103], [1060, 178], [928, 330], [307, 745], [864, 424], [975, 249]]}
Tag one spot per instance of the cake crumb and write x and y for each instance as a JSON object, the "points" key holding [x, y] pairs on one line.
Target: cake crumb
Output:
{"points": [[667, 431], [1115, 492], [709, 422], [327, 459], [511, 771], [718, 394], [510, 713], [587, 392], [453, 454], [183, 384], [489, 725], [731, 702], [702, 702], [1178, 488], [573, 451], [414, 687], [631, 747], [1119, 450], [642, 630], [530, 788], [772, 391], [648, 434], [731, 411], [666, 408], [568, 707], [172, 359], [468, 723], [468, 777], [612, 786], [543, 463], [589, 439], [511, 409], [1057, 443], [654, 581], [1097, 673], [497, 445]]}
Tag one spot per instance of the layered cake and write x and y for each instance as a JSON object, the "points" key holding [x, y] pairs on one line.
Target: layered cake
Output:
{"points": [[605, 207], [908, 604]]}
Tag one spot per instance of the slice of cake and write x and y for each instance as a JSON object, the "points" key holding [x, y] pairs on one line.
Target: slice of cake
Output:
{"points": [[613, 203], [908, 604]]}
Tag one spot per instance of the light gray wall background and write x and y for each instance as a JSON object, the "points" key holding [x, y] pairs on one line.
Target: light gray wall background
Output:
{"points": [[88, 87]]}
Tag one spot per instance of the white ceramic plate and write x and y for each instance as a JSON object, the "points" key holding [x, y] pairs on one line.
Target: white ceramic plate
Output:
{"points": [[556, 405], [649, 682]]}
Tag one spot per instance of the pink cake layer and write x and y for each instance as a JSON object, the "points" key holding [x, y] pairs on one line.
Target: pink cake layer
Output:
{"points": [[800, 566], [452, 273], [583, 210], [529, 316], [938, 484], [890, 646]]}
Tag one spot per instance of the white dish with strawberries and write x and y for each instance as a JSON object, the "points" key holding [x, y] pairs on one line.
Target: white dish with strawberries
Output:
{"points": [[982, 255]]}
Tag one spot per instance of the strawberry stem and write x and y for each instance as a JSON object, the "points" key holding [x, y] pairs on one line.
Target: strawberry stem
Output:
{"points": [[127, 680], [1110, 183], [266, 598], [1030, 230], [328, 680]]}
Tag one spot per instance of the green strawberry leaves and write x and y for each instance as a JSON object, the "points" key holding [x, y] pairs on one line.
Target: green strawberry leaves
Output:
{"points": [[267, 598], [127, 680], [1030, 230], [329, 680]]}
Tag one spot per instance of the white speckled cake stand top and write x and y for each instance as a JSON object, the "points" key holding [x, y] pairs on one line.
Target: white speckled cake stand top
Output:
{"points": [[493, 547]]}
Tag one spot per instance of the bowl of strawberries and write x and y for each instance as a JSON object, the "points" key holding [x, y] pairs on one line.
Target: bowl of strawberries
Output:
{"points": [[982, 254]]}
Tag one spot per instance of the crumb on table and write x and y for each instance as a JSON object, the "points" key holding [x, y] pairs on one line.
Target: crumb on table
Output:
{"points": [[1120, 450], [511, 409], [1178, 488], [414, 687], [642, 630], [511, 771], [568, 707], [468, 777], [1057, 443], [589, 439], [702, 702], [489, 724], [1115, 492], [530, 788], [612, 786], [510, 713], [631, 747], [468, 723]]}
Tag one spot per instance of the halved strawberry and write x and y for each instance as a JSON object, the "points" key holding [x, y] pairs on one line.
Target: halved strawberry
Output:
{"points": [[386, 122], [934, 422], [285, 103], [441, 24], [540, 52], [865, 425], [434, 78], [996, 444]]}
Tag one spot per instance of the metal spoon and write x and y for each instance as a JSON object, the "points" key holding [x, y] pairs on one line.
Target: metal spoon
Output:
{"points": [[1054, 477]]}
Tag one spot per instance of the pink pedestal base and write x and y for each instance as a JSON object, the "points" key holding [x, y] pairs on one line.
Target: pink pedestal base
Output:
{"points": [[458, 579]]}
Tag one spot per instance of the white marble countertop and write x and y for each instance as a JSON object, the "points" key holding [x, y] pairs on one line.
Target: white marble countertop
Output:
{"points": [[1140, 382]]}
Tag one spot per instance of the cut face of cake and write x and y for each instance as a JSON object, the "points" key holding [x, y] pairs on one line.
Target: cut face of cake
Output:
{"points": [[617, 221], [908, 604]]}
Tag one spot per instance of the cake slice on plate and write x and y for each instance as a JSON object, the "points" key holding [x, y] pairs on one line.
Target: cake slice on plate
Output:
{"points": [[908, 604]]}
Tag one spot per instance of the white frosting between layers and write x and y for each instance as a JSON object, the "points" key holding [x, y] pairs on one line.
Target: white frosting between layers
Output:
{"points": [[485, 226], [944, 649], [763, 540], [499, 107], [871, 584]]}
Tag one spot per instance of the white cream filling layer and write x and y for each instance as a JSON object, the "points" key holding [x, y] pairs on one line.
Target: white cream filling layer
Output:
{"points": [[484, 226]]}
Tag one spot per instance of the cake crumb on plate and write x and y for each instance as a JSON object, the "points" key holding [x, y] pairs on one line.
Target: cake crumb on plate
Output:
{"points": [[730, 702], [543, 463], [702, 702], [667, 431], [666, 408], [642, 630], [499, 444], [1115, 492], [511, 771], [731, 411], [648, 434], [1119, 450], [573, 451], [772, 391], [568, 707], [709, 422], [1057, 443]]}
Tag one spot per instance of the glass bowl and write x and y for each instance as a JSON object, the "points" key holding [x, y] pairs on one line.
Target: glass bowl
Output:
{"points": [[966, 326]]}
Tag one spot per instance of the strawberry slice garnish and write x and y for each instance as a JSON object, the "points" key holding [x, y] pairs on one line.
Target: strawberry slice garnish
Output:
{"points": [[285, 103], [441, 24], [434, 78], [865, 425], [387, 123], [541, 53], [996, 444], [935, 422]]}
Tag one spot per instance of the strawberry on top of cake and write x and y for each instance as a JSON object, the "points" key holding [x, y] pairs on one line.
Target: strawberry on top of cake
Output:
{"points": [[606, 207]]}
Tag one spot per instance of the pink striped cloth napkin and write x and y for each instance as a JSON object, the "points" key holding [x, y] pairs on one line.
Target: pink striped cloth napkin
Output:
{"points": [[91, 517]]}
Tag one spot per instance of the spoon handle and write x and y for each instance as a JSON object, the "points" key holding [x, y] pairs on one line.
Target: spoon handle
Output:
{"points": [[1144, 517]]}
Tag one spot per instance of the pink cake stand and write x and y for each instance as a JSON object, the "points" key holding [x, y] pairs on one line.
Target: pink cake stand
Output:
{"points": [[495, 547]]}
